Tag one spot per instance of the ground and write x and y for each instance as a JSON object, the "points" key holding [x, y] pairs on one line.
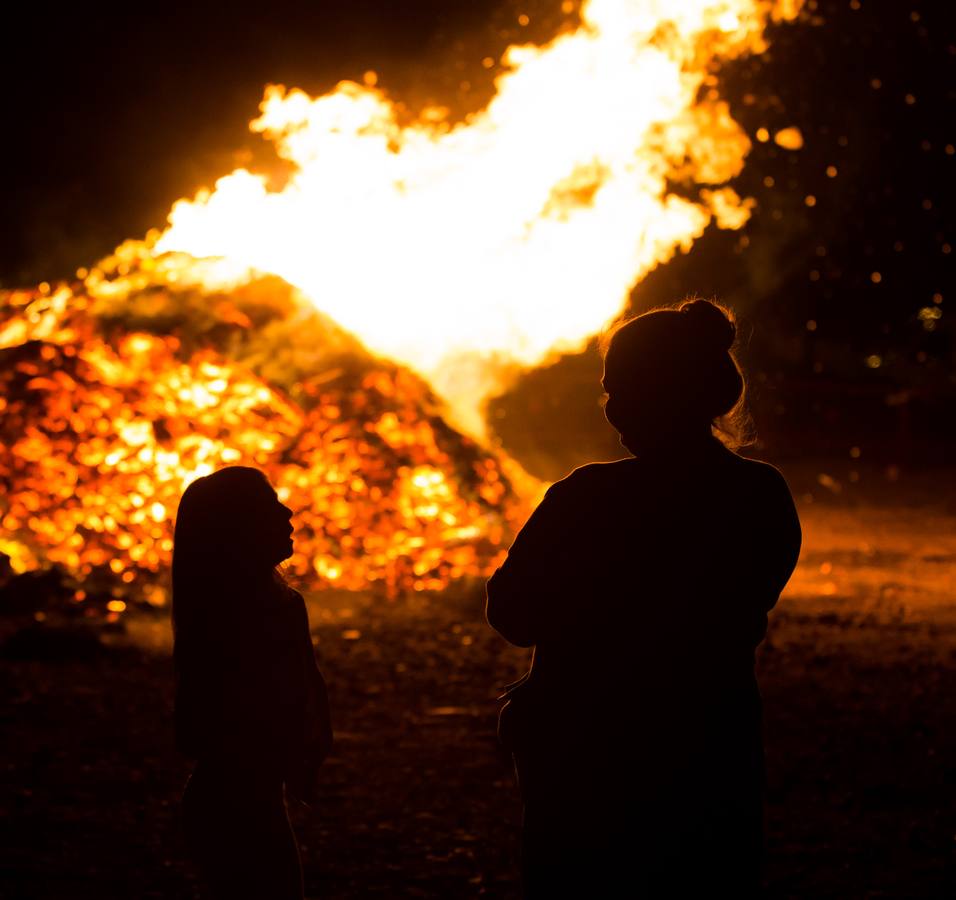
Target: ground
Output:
{"points": [[858, 675]]}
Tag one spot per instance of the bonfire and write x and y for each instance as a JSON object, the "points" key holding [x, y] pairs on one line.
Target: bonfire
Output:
{"points": [[344, 329]]}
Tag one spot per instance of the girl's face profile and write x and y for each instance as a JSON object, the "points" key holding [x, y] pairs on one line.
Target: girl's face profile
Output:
{"points": [[270, 521], [280, 518], [234, 516]]}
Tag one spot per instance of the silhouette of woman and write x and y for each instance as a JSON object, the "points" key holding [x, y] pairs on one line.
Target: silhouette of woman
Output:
{"points": [[251, 705], [644, 587]]}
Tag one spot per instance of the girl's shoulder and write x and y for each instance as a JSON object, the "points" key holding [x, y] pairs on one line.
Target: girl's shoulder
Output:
{"points": [[292, 595], [294, 612], [291, 601]]}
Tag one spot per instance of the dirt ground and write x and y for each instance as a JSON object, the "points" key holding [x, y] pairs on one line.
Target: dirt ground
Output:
{"points": [[858, 675]]}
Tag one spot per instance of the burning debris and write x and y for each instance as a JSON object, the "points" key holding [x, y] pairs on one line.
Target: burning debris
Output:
{"points": [[114, 398]]}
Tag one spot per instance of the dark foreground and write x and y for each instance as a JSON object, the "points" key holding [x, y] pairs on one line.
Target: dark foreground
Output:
{"points": [[858, 676]]}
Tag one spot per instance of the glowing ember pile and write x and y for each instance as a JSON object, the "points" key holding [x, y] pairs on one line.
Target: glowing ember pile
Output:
{"points": [[101, 429]]}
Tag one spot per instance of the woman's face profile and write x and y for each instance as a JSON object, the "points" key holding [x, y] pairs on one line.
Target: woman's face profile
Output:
{"points": [[631, 408]]}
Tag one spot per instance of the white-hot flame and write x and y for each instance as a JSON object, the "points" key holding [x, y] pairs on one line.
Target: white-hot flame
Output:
{"points": [[461, 248]]}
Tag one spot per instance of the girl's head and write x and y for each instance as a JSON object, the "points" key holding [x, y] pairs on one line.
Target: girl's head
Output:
{"points": [[231, 533], [671, 377]]}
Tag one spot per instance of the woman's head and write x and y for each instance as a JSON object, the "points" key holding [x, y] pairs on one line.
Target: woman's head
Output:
{"points": [[670, 376], [231, 530]]}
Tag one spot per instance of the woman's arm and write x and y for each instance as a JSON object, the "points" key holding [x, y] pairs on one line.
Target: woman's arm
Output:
{"points": [[532, 571], [770, 548], [779, 536]]}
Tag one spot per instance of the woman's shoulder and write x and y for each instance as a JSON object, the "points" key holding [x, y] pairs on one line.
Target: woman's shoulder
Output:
{"points": [[587, 479], [763, 489], [746, 476], [759, 474], [596, 472]]}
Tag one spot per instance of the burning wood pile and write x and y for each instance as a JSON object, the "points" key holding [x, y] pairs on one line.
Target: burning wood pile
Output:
{"points": [[119, 391]]}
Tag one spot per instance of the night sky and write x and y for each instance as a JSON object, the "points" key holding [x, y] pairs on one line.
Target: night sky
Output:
{"points": [[112, 115]]}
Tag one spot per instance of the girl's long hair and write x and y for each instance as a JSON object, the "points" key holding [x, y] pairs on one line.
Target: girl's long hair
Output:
{"points": [[218, 568]]}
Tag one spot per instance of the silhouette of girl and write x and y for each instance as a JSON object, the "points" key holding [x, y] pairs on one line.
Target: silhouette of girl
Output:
{"points": [[251, 706], [644, 587]]}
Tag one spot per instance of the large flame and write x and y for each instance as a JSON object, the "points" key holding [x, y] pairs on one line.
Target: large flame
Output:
{"points": [[459, 248]]}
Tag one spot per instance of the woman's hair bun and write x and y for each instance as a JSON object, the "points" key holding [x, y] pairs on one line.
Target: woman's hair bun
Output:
{"points": [[711, 325]]}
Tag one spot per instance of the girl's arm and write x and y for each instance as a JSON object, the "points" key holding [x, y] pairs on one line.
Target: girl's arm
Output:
{"points": [[319, 727], [317, 724]]}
